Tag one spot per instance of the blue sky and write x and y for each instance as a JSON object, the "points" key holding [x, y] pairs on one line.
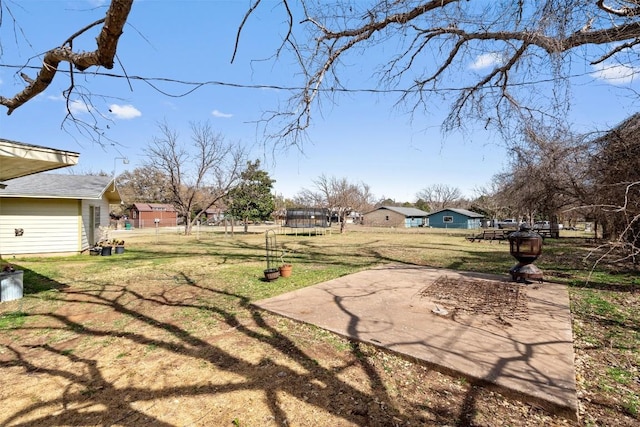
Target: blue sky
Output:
{"points": [[361, 136]]}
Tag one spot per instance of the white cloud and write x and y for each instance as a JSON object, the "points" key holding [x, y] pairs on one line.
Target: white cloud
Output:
{"points": [[616, 74], [77, 107], [487, 60], [216, 113], [124, 112]]}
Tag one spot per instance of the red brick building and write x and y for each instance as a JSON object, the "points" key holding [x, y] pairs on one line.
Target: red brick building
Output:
{"points": [[145, 215]]}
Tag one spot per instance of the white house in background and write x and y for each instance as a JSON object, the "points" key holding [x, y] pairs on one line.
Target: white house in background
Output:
{"points": [[54, 214]]}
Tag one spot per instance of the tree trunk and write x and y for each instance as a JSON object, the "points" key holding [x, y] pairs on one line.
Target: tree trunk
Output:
{"points": [[188, 223]]}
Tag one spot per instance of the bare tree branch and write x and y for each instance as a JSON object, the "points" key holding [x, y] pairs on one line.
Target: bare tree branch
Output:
{"points": [[440, 196], [199, 174], [625, 11], [103, 56], [434, 42], [338, 195]]}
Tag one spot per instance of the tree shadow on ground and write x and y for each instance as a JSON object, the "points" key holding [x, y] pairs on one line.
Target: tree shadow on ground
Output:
{"points": [[34, 283], [282, 370]]}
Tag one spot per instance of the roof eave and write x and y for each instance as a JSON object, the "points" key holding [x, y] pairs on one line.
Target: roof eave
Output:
{"points": [[19, 159]]}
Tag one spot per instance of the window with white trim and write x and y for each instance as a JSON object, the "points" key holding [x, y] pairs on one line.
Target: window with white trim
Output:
{"points": [[96, 216]]}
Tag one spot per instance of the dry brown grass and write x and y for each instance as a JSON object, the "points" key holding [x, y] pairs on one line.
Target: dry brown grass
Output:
{"points": [[166, 335]]}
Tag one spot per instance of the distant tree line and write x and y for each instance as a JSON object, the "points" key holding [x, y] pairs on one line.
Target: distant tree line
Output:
{"points": [[205, 171], [553, 174]]}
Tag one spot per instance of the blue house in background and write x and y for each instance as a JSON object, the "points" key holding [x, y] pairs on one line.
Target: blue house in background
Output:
{"points": [[454, 218]]}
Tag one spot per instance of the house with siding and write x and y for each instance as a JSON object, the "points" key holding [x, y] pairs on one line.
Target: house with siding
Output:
{"points": [[454, 218], [393, 216], [213, 216], [54, 214], [145, 215], [19, 159]]}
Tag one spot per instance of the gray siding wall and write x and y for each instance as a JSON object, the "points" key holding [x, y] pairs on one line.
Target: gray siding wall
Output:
{"points": [[384, 218]]}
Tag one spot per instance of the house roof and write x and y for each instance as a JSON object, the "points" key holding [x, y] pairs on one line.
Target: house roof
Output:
{"points": [[214, 210], [409, 212], [19, 159], [464, 212], [150, 207], [52, 186]]}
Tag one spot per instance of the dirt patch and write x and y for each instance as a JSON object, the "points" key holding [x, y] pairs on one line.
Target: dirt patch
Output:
{"points": [[503, 300], [153, 357]]}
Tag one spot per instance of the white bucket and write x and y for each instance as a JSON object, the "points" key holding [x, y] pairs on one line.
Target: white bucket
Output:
{"points": [[11, 285]]}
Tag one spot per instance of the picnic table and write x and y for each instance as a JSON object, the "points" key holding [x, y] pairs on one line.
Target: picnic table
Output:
{"points": [[490, 235], [548, 233], [503, 234]]}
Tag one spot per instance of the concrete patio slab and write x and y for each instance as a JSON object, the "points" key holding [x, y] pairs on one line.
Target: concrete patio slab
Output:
{"points": [[521, 344]]}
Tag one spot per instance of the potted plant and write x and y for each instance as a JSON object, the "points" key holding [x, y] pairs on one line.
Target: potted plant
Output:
{"points": [[106, 250], [118, 245], [101, 248], [285, 268], [271, 274]]}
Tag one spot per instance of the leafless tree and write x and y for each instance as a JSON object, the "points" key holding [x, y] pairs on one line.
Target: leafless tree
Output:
{"points": [[486, 201], [491, 59], [614, 175], [200, 173], [513, 46], [547, 175], [556, 173], [338, 195], [309, 198], [440, 196], [107, 41]]}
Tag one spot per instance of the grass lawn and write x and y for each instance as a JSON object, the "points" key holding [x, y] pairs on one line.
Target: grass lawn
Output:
{"points": [[165, 334]]}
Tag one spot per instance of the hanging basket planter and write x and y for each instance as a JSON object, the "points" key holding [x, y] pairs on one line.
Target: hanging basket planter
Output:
{"points": [[271, 274]]}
